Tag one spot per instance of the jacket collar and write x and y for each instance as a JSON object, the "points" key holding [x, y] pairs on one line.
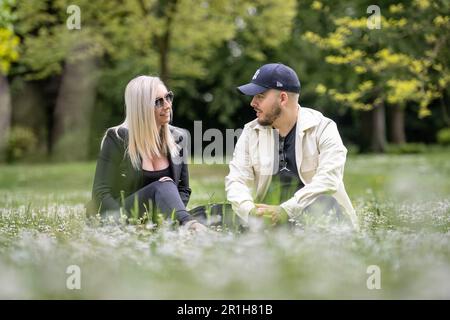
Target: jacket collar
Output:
{"points": [[306, 119], [176, 133]]}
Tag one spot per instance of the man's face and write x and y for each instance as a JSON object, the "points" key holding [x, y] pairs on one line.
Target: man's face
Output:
{"points": [[267, 107]]}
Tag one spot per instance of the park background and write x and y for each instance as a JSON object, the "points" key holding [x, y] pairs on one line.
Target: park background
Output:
{"points": [[384, 79], [380, 70]]}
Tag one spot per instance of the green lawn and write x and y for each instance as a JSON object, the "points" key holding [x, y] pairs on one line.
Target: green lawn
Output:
{"points": [[402, 202]]}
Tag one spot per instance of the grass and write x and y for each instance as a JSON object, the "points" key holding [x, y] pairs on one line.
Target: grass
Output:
{"points": [[402, 202]]}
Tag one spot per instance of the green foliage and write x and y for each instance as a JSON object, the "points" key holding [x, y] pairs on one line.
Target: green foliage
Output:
{"points": [[21, 144], [178, 35], [260, 29], [406, 148], [186, 42], [205, 49], [9, 42], [405, 60], [7, 16], [48, 43], [443, 136], [8, 49]]}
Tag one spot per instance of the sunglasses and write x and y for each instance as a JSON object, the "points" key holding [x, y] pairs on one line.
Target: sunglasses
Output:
{"points": [[159, 103]]}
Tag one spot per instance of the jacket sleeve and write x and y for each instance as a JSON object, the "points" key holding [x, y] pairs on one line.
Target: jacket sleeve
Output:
{"points": [[329, 173], [105, 173], [240, 180], [183, 185]]}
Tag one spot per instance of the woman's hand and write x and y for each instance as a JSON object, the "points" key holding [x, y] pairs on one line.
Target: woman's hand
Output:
{"points": [[196, 226]]}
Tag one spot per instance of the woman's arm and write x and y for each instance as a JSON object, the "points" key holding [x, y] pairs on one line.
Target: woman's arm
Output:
{"points": [[183, 185], [181, 139], [106, 173]]}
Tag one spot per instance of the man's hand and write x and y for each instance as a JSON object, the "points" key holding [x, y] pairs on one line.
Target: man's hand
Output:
{"points": [[275, 213]]}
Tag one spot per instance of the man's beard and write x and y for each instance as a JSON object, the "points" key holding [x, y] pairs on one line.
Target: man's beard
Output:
{"points": [[268, 119]]}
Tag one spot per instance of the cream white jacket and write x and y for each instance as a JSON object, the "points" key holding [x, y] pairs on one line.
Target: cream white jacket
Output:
{"points": [[320, 158]]}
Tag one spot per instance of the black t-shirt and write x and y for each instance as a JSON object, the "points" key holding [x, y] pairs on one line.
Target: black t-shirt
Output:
{"points": [[286, 181], [152, 176]]}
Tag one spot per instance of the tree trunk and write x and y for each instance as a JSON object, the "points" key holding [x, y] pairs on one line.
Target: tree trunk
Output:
{"points": [[444, 110], [167, 8], [364, 136], [74, 104], [5, 114], [163, 60], [378, 128], [33, 107], [398, 125]]}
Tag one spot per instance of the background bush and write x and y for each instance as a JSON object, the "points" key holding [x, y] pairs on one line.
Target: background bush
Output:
{"points": [[21, 144], [443, 136]]}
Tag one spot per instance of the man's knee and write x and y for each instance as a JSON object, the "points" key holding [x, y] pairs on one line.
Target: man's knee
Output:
{"points": [[327, 199], [324, 204]]}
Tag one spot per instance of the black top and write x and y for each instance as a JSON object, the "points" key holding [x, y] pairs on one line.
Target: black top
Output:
{"points": [[115, 173], [286, 181], [152, 176]]}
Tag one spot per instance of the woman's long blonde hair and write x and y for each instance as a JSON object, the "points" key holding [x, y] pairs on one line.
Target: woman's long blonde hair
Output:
{"points": [[143, 136]]}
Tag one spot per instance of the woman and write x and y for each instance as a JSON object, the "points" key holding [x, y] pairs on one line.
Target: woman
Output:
{"points": [[140, 165]]}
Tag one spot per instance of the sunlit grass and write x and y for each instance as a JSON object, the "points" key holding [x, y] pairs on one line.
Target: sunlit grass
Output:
{"points": [[402, 202]]}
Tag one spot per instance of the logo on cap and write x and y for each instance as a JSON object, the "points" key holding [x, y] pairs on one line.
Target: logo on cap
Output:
{"points": [[279, 84], [256, 74]]}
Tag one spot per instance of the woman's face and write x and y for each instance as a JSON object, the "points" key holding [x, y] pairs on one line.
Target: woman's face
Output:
{"points": [[163, 111]]}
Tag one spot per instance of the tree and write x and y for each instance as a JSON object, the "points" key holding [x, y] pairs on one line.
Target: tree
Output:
{"points": [[394, 65], [51, 47], [175, 39], [259, 28], [8, 54]]}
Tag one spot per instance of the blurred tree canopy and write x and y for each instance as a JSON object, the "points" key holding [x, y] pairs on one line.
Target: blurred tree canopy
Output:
{"points": [[403, 61], [67, 64], [9, 53]]}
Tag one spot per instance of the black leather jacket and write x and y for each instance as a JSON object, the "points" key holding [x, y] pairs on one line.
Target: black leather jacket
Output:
{"points": [[114, 172]]}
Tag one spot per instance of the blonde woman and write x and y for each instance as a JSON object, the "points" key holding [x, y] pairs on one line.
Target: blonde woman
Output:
{"points": [[140, 162]]}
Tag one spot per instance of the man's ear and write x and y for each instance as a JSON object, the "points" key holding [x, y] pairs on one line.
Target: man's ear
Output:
{"points": [[284, 97]]}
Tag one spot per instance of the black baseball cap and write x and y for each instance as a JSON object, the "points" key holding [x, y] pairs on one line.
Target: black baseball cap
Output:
{"points": [[272, 76]]}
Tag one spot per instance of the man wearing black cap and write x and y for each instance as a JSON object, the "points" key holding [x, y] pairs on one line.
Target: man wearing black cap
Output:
{"points": [[289, 151]]}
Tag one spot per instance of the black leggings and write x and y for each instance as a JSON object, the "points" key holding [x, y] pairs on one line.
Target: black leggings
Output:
{"points": [[162, 196]]}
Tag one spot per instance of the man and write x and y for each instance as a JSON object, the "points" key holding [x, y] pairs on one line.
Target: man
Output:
{"points": [[287, 145]]}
